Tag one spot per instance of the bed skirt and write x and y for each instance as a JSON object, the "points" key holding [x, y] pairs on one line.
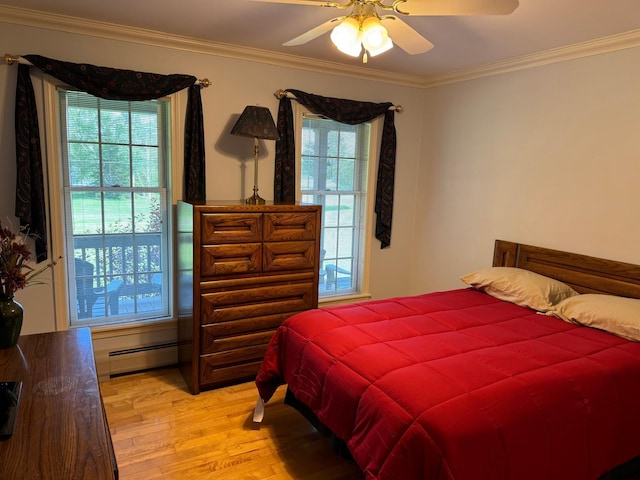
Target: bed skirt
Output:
{"points": [[337, 444]]}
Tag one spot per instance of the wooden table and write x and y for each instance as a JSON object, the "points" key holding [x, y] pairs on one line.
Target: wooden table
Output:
{"points": [[61, 430]]}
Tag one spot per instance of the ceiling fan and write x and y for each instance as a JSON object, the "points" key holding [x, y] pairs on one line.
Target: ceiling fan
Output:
{"points": [[363, 30]]}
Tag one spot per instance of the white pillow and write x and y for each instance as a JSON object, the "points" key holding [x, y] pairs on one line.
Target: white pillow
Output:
{"points": [[519, 286], [618, 315]]}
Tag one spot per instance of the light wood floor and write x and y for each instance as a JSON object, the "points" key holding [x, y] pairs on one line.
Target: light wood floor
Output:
{"points": [[160, 430]]}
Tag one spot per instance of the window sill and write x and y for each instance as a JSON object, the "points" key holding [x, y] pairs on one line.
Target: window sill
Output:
{"points": [[132, 327], [343, 299]]}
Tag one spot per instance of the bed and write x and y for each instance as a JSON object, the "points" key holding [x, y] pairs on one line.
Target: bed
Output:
{"points": [[461, 385]]}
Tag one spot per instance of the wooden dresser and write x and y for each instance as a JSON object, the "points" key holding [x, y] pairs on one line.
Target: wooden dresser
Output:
{"points": [[242, 270], [61, 430]]}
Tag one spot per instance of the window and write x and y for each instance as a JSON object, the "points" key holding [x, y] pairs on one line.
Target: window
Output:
{"points": [[333, 170], [115, 157]]}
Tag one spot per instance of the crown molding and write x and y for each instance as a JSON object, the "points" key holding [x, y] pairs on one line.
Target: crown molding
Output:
{"points": [[93, 28], [599, 46]]}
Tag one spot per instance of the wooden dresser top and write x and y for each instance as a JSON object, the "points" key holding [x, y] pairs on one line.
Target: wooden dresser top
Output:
{"points": [[60, 430]]}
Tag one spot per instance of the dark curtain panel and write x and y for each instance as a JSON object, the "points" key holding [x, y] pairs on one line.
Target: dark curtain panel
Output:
{"points": [[111, 84], [386, 180], [351, 112], [30, 205], [194, 167], [284, 182]]}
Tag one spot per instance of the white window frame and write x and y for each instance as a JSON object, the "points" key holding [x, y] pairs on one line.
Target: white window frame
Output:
{"points": [[54, 174], [368, 226]]}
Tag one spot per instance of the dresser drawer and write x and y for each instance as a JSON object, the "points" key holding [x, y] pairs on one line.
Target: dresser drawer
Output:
{"points": [[212, 375], [235, 356], [215, 344], [231, 228], [227, 306], [290, 226], [230, 259], [213, 331], [278, 256]]}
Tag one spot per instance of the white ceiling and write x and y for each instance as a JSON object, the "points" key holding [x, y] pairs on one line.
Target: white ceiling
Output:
{"points": [[461, 43]]}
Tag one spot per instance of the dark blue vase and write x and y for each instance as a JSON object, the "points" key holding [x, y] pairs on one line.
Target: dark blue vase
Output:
{"points": [[10, 322]]}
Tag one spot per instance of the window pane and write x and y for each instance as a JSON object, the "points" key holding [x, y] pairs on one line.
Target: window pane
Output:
{"points": [[116, 208], [310, 140], [115, 166], [333, 139], [331, 173], [344, 277], [346, 212], [345, 243], [86, 211], [118, 250], [114, 125], [347, 174], [144, 128], [329, 165], [146, 168], [118, 211], [330, 242], [347, 144], [84, 165], [308, 174], [148, 212], [331, 210], [84, 127]]}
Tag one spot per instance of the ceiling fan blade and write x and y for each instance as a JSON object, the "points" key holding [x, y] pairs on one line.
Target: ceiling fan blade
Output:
{"points": [[315, 3], [314, 32], [406, 37], [458, 7]]}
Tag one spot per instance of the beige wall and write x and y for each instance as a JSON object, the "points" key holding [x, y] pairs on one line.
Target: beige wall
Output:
{"points": [[548, 156], [236, 83]]}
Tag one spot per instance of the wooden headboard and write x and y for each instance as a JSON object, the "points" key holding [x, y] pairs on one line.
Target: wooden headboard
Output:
{"points": [[583, 273]]}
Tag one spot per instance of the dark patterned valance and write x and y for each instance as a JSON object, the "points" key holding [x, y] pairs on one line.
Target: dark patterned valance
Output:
{"points": [[112, 83], [346, 111], [108, 83]]}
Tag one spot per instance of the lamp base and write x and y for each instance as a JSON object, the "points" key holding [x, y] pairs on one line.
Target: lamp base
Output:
{"points": [[255, 199]]}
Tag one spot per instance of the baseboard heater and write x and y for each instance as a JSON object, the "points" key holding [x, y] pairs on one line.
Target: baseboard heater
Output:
{"points": [[142, 358]]}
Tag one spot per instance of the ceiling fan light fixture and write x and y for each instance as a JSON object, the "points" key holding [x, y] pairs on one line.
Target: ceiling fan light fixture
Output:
{"points": [[388, 45], [375, 37], [346, 37], [351, 49], [362, 29]]}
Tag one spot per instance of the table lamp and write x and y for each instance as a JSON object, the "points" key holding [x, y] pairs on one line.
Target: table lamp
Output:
{"points": [[256, 122]]}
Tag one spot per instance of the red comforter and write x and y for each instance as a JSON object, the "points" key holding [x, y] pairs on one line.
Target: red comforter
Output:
{"points": [[459, 385]]}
